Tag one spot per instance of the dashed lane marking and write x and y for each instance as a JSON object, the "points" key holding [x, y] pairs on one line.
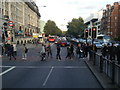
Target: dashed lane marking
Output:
{"points": [[7, 70], [48, 76]]}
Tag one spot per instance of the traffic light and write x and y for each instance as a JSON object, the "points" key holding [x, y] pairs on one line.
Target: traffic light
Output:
{"points": [[94, 32], [86, 33]]}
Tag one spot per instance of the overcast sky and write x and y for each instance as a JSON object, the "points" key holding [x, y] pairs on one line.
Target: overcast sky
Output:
{"points": [[62, 11]]}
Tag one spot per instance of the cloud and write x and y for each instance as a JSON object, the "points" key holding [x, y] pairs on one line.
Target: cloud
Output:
{"points": [[62, 11]]}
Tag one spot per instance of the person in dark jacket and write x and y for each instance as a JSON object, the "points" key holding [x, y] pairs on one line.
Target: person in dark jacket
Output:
{"points": [[71, 51], [85, 48], [49, 51], [58, 52], [104, 50], [94, 48], [68, 52], [118, 54], [112, 52], [79, 51], [11, 52]]}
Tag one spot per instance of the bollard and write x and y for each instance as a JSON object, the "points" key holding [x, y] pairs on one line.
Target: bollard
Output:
{"points": [[113, 72]]}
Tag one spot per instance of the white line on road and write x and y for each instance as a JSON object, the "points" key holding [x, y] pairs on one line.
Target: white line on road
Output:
{"points": [[48, 76], [7, 71], [29, 67], [5, 66]]}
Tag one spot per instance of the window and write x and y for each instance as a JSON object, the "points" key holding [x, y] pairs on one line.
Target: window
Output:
{"points": [[115, 17]]}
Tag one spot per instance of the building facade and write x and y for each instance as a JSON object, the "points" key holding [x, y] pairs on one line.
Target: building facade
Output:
{"points": [[25, 16], [110, 23]]}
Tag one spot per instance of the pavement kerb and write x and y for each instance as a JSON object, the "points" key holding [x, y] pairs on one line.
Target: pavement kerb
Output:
{"points": [[104, 81]]}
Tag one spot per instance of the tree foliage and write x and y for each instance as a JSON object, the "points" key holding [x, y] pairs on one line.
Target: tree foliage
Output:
{"points": [[76, 27], [51, 28]]}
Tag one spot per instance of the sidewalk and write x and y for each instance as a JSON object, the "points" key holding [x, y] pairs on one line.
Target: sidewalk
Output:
{"points": [[102, 78]]}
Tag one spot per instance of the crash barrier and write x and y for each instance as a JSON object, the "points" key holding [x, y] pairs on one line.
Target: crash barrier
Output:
{"points": [[104, 65]]}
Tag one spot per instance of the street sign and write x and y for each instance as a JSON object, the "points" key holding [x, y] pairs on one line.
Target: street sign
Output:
{"points": [[11, 23]]}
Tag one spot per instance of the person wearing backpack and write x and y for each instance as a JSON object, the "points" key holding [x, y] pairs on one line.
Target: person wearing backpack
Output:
{"points": [[25, 51]]}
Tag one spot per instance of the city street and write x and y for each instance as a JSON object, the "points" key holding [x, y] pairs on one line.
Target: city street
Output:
{"points": [[33, 73]]}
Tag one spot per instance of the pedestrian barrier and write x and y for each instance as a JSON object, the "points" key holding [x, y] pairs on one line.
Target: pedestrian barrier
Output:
{"points": [[104, 65]]}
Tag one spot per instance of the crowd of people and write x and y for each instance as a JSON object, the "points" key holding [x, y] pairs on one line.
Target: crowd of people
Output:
{"points": [[9, 50], [80, 50], [111, 52]]}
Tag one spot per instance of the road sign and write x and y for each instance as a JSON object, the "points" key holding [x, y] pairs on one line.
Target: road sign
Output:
{"points": [[11, 23]]}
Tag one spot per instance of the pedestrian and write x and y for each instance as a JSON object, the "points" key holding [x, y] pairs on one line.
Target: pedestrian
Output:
{"points": [[118, 54], [15, 49], [58, 52], [43, 52], [68, 52], [86, 50], [24, 52], [3, 50], [112, 52], [71, 51], [94, 48], [11, 52], [49, 51], [108, 51], [78, 51], [90, 51], [6, 47], [104, 51]]}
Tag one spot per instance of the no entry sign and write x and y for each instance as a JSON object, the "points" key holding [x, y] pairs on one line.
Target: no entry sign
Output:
{"points": [[11, 23]]}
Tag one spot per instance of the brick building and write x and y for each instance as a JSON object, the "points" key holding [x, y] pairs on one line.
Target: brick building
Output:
{"points": [[110, 23]]}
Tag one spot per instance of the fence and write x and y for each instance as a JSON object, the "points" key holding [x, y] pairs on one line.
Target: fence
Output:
{"points": [[104, 65]]}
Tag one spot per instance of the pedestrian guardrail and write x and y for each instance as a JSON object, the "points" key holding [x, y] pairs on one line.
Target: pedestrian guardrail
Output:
{"points": [[104, 65]]}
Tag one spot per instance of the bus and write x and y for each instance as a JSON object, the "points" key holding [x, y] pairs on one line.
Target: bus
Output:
{"points": [[51, 39]]}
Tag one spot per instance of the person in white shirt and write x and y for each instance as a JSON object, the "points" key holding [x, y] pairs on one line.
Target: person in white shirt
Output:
{"points": [[15, 49]]}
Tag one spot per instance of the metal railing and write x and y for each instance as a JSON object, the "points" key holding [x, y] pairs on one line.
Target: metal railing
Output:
{"points": [[104, 65]]}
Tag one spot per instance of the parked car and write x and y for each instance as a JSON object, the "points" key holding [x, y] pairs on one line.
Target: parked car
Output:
{"points": [[98, 45]]}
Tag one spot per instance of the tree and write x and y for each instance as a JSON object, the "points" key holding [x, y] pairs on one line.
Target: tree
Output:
{"points": [[51, 28], [76, 27]]}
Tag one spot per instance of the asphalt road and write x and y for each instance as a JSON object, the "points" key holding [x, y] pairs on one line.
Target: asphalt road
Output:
{"points": [[33, 73]]}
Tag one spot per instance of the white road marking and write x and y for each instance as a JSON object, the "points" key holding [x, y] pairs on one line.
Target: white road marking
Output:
{"points": [[7, 71], [44, 67], [48, 76], [70, 67], [5, 66]]}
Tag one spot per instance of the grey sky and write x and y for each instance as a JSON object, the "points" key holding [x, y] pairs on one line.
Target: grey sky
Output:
{"points": [[62, 11]]}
